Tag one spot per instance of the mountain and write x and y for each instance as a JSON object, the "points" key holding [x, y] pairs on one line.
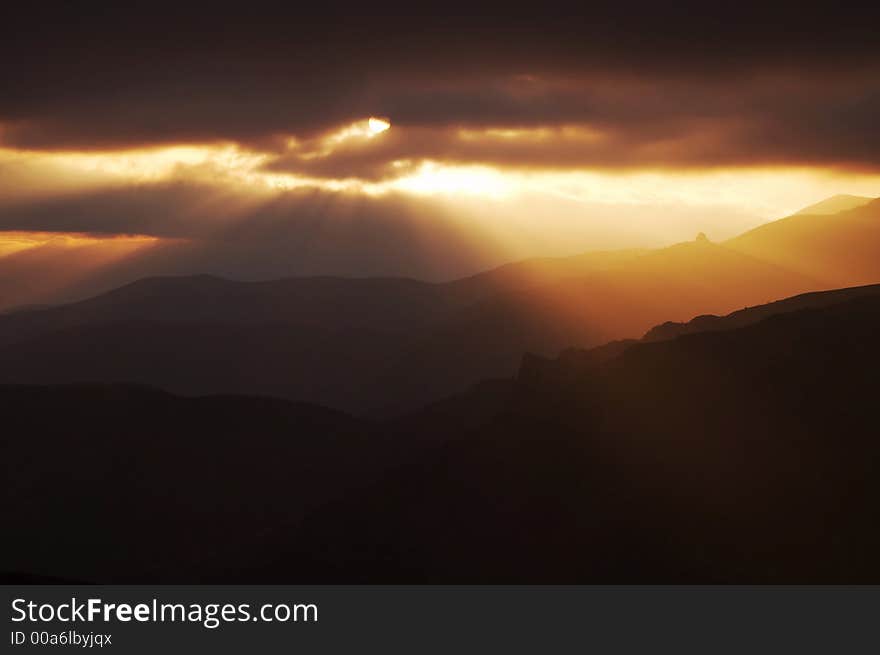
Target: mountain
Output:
{"points": [[750, 315], [316, 339], [736, 455], [586, 309], [138, 484], [743, 456], [836, 250], [368, 303], [385, 346], [836, 204], [377, 346]]}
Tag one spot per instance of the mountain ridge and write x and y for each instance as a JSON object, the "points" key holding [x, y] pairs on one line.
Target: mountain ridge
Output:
{"points": [[743, 456], [836, 204], [384, 346], [692, 459]]}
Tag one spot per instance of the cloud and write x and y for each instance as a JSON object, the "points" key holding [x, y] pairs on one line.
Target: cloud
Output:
{"points": [[772, 121], [687, 84]]}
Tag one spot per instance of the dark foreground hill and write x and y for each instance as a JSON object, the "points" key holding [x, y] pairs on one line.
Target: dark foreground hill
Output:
{"points": [[744, 456], [120, 482], [751, 315]]}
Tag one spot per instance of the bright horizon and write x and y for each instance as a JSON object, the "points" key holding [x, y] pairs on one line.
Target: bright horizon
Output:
{"points": [[613, 208]]}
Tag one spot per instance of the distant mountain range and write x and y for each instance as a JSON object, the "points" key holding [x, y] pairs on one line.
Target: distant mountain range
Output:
{"points": [[382, 346], [742, 453], [836, 204], [837, 249]]}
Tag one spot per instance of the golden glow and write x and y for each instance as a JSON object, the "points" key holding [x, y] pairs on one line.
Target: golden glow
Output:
{"points": [[140, 164], [514, 212], [433, 178], [764, 193], [13, 242], [42, 174], [570, 134], [35, 266], [20, 241], [643, 207], [767, 192]]}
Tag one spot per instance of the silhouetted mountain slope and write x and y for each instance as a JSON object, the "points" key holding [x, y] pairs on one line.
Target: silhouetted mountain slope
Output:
{"points": [[744, 455], [674, 280], [320, 364], [373, 345], [130, 483], [385, 304], [739, 456], [750, 315], [625, 299], [839, 249]]}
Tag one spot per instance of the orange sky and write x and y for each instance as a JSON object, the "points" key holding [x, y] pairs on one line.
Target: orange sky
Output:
{"points": [[361, 140], [634, 206]]}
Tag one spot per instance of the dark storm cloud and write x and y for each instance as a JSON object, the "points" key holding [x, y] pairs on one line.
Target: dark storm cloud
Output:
{"points": [[769, 120], [86, 76]]}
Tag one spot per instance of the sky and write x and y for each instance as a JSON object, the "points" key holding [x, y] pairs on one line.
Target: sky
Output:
{"points": [[258, 140]]}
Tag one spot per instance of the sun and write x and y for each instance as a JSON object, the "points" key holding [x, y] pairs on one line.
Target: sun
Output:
{"points": [[377, 125]]}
